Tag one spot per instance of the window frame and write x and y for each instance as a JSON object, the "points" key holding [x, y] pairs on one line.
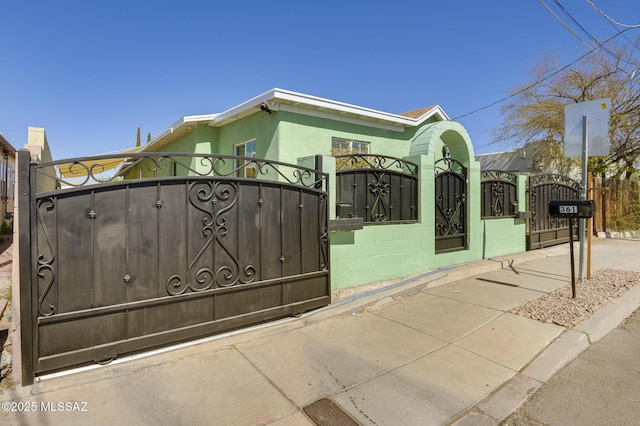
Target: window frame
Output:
{"points": [[240, 165], [349, 146]]}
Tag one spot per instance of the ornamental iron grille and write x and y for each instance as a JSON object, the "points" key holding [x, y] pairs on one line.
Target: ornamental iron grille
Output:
{"points": [[499, 194], [126, 265], [545, 230], [450, 193], [377, 188]]}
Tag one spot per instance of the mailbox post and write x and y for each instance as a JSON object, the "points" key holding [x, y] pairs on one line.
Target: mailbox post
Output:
{"points": [[571, 209]]}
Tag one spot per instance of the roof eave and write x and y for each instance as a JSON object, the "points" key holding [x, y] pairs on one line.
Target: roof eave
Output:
{"points": [[279, 99], [303, 103], [181, 127], [6, 146]]}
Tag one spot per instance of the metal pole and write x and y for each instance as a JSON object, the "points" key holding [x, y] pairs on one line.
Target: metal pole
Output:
{"points": [[26, 224], [589, 229], [582, 223], [604, 204], [573, 269]]}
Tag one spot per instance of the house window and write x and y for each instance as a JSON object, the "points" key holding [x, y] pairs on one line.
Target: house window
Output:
{"points": [[341, 146], [245, 149]]}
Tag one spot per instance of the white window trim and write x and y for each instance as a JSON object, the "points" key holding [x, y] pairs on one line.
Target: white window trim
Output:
{"points": [[235, 152]]}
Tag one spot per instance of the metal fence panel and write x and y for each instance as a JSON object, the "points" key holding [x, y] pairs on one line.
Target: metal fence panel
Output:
{"points": [[377, 188], [545, 230], [126, 265]]}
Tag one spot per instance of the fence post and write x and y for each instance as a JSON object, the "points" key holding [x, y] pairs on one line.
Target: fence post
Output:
{"points": [[25, 219], [604, 203]]}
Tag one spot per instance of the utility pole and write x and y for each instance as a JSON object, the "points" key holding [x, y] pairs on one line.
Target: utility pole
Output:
{"points": [[586, 132]]}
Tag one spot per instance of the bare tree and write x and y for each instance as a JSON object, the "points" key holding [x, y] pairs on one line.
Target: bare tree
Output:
{"points": [[535, 113]]}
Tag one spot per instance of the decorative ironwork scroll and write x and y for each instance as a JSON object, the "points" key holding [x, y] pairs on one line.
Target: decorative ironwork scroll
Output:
{"points": [[46, 257], [378, 188], [499, 194], [78, 172], [215, 199], [375, 161]]}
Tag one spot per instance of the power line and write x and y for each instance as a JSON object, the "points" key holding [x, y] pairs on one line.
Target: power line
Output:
{"points": [[541, 80], [584, 30], [593, 39], [614, 24], [568, 28], [613, 21]]}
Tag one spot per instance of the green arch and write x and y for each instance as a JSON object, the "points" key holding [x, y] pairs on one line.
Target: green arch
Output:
{"points": [[432, 138]]}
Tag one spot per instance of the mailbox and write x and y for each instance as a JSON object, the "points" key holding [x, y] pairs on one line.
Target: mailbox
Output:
{"points": [[580, 209]]}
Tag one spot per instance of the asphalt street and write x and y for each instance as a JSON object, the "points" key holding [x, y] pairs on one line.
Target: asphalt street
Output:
{"points": [[599, 387]]}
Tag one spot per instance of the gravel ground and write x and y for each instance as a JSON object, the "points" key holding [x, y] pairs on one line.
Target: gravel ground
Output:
{"points": [[558, 307]]}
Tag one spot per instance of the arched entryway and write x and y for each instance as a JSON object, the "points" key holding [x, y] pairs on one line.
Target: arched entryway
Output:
{"points": [[449, 145], [450, 198]]}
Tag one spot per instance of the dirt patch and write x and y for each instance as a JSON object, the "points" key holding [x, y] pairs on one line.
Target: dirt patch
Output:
{"points": [[559, 307]]}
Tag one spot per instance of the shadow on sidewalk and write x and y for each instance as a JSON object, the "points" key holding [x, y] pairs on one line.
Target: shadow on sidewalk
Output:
{"points": [[5, 245]]}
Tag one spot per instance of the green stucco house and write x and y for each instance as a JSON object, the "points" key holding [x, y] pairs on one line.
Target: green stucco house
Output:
{"points": [[295, 128]]}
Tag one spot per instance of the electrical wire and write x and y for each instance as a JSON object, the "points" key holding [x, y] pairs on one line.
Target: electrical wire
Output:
{"points": [[584, 30], [613, 21], [567, 27], [541, 80], [614, 24], [593, 39]]}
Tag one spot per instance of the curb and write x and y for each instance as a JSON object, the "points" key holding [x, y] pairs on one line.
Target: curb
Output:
{"points": [[567, 347]]}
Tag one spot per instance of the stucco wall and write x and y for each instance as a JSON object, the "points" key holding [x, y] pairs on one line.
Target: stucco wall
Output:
{"points": [[382, 252], [506, 236], [301, 135]]}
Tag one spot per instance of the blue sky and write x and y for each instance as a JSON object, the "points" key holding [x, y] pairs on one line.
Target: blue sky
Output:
{"points": [[91, 73]]}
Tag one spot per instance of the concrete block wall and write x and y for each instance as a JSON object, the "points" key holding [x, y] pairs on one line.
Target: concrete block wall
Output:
{"points": [[389, 251], [506, 236]]}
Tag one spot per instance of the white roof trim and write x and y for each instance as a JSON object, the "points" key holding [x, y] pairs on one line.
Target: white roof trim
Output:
{"points": [[309, 103], [193, 119], [300, 103], [184, 121]]}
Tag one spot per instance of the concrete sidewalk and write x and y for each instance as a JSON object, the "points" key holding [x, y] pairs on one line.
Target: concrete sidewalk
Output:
{"points": [[440, 348]]}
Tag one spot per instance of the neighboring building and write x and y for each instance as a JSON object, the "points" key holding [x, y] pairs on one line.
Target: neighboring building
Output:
{"points": [[526, 160], [7, 178], [518, 161]]}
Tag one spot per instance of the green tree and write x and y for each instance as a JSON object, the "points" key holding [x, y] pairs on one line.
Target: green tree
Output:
{"points": [[148, 137], [138, 138], [535, 113]]}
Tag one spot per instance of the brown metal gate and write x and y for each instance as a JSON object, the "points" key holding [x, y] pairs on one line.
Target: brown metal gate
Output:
{"points": [[544, 230], [450, 204], [126, 265]]}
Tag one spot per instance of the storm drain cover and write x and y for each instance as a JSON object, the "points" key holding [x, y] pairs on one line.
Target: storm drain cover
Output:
{"points": [[325, 412]]}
